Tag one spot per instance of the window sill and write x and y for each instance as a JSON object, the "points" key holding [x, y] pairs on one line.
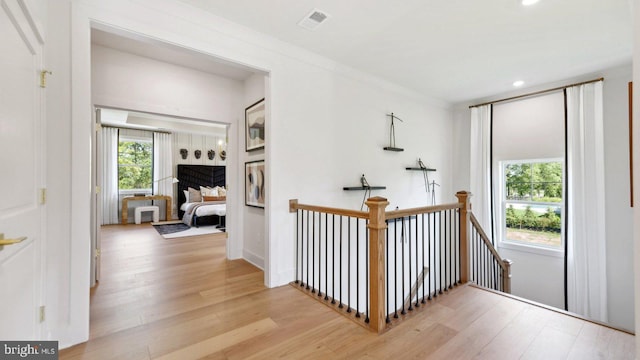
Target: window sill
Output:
{"points": [[538, 250]]}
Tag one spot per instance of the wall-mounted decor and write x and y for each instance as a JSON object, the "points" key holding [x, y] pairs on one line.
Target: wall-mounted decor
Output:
{"points": [[211, 154], [223, 155], [197, 154], [255, 124], [254, 183], [184, 153], [392, 135]]}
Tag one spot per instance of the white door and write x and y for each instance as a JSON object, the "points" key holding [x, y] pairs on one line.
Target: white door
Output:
{"points": [[21, 176]]}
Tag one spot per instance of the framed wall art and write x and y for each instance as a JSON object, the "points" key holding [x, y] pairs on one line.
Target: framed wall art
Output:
{"points": [[254, 183], [254, 117]]}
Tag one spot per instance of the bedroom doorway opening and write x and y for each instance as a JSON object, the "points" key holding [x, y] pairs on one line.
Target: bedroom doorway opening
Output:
{"points": [[160, 82]]}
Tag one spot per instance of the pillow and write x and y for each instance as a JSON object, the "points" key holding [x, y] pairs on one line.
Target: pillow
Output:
{"points": [[214, 198], [194, 195], [221, 191], [186, 195], [208, 191]]}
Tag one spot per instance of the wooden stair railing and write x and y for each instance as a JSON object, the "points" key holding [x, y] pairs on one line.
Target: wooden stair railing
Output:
{"points": [[488, 268], [378, 266]]}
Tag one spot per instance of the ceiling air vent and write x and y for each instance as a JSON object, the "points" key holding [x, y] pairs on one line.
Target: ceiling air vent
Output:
{"points": [[313, 19]]}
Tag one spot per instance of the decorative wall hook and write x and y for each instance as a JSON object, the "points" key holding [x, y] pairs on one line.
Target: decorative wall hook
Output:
{"points": [[197, 154], [184, 153], [211, 154], [223, 155]]}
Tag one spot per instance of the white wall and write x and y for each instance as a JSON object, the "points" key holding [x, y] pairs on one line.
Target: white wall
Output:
{"points": [[253, 227], [127, 81], [618, 214], [326, 125]]}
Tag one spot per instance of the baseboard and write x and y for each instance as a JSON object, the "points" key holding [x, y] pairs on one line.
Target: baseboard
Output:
{"points": [[257, 261]]}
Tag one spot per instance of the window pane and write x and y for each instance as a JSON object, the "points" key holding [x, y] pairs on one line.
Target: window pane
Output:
{"points": [[533, 203], [134, 165], [534, 224]]}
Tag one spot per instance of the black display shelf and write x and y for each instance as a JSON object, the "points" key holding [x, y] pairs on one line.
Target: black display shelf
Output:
{"points": [[389, 148], [420, 169], [351, 188]]}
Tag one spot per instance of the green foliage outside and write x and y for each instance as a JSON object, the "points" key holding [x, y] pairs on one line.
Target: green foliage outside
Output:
{"points": [[134, 165], [528, 219], [540, 182]]}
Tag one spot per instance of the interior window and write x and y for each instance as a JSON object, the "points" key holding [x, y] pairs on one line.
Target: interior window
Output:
{"points": [[533, 202]]}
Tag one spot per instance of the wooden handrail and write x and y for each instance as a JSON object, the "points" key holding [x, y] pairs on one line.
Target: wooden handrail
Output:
{"points": [[395, 214], [486, 241], [505, 264], [294, 205]]}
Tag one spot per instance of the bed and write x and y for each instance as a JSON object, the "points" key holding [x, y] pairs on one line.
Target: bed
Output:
{"points": [[196, 212]]}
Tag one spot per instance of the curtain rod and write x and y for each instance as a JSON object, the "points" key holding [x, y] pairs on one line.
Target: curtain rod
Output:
{"points": [[537, 93]]}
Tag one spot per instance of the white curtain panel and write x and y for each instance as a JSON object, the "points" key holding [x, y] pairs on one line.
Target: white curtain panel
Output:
{"points": [[109, 178], [585, 233], [480, 165], [162, 164]]}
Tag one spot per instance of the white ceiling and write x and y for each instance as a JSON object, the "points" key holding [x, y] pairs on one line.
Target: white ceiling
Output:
{"points": [[454, 50]]}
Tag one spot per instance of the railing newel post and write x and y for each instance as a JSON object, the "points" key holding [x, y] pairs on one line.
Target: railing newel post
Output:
{"points": [[377, 227], [506, 279], [463, 197]]}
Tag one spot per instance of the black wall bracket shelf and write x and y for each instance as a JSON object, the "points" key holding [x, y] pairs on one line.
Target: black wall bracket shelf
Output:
{"points": [[390, 148], [420, 169], [351, 188]]}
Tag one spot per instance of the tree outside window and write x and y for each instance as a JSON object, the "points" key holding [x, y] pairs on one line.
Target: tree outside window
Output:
{"points": [[135, 165], [532, 204]]}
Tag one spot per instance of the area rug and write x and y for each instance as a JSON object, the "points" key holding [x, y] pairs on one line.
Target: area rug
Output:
{"points": [[172, 230]]}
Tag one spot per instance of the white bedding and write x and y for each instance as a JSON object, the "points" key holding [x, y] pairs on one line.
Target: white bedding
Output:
{"points": [[206, 210]]}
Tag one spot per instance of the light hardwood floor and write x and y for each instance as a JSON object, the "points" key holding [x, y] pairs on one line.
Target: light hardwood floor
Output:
{"points": [[182, 299]]}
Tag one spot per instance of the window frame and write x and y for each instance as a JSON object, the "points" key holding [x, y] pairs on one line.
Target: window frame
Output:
{"points": [[555, 251]]}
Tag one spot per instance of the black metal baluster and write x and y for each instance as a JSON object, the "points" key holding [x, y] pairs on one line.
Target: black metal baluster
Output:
{"points": [[434, 230], [395, 266], [402, 239], [340, 299], [349, 264], [459, 242], [452, 249], [417, 267], [445, 255], [386, 259], [297, 247], [357, 267], [431, 216], [307, 287], [313, 252], [440, 250], [368, 277], [326, 259], [409, 263], [333, 258], [425, 273]]}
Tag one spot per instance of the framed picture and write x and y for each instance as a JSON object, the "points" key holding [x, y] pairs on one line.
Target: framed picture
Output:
{"points": [[254, 189], [254, 117]]}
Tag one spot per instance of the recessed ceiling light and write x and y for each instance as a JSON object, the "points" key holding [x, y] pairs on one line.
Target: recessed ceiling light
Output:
{"points": [[518, 83], [529, 2]]}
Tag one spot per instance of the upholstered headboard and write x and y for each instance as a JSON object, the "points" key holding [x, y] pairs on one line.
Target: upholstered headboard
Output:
{"points": [[195, 176]]}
